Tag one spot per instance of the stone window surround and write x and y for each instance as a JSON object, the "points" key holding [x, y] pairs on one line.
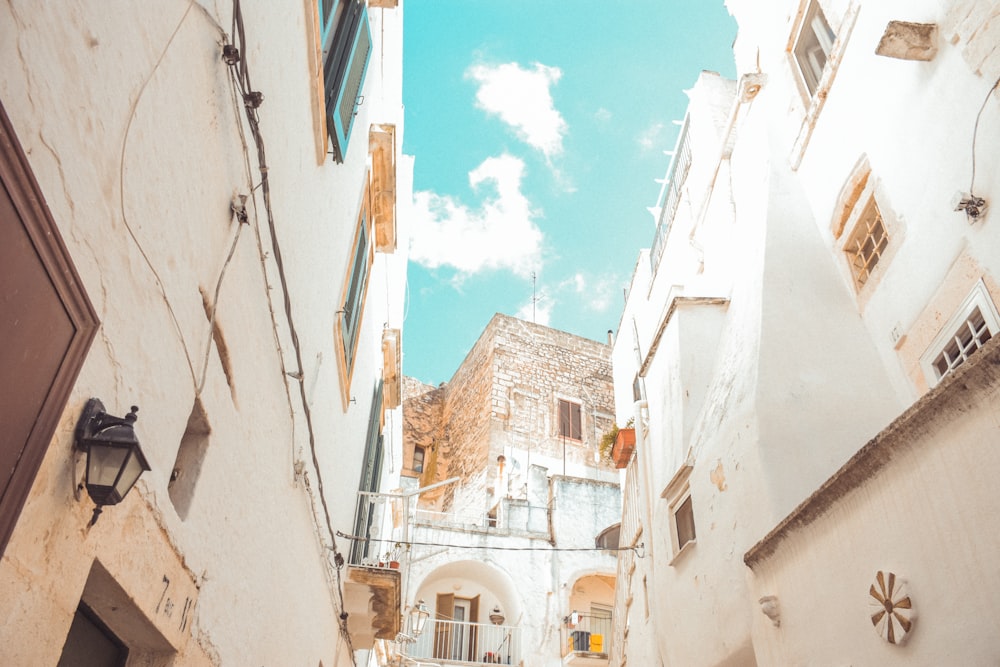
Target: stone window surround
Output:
{"points": [[866, 243], [814, 34], [978, 297], [861, 189], [677, 493], [814, 102]]}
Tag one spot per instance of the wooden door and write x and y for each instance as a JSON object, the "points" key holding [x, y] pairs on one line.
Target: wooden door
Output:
{"points": [[46, 327], [444, 610]]}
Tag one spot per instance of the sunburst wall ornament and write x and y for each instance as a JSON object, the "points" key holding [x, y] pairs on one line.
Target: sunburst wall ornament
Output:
{"points": [[892, 611]]}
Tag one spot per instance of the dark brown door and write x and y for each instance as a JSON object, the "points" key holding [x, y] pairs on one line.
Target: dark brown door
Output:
{"points": [[444, 610], [46, 327]]}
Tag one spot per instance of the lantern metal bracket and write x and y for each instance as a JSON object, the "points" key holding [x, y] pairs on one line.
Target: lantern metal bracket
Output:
{"points": [[94, 419]]}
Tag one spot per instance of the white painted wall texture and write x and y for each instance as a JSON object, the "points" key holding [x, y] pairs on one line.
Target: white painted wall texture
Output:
{"points": [[765, 368], [128, 120]]}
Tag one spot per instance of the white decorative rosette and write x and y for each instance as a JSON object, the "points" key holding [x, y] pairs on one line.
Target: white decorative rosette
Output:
{"points": [[891, 608]]}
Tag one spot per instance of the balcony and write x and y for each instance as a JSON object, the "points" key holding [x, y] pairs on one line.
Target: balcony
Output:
{"points": [[670, 196], [585, 640], [458, 643], [372, 587]]}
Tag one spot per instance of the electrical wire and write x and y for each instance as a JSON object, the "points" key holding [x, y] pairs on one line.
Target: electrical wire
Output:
{"points": [[121, 191], [975, 131], [637, 548], [199, 384], [240, 77]]}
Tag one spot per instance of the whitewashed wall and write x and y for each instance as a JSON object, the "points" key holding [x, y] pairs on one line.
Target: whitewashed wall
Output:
{"points": [[126, 115]]}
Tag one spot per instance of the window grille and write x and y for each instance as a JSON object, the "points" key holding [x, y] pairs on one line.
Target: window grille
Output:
{"points": [[866, 244], [970, 336]]}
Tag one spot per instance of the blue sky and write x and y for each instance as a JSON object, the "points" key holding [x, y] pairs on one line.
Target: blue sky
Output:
{"points": [[538, 129]]}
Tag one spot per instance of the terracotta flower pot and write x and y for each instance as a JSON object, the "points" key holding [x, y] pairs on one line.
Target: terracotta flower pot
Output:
{"points": [[621, 452]]}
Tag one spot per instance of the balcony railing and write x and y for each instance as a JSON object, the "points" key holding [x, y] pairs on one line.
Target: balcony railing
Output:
{"points": [[671, 193], [454, 642], [587, 633], [510, 515]]}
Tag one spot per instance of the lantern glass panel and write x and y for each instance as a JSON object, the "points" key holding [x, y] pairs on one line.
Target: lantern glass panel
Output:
{"points": [[103, 464], [133, 468]]}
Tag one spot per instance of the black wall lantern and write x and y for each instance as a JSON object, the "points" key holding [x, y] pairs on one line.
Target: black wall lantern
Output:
{"points": [[114, 459]]}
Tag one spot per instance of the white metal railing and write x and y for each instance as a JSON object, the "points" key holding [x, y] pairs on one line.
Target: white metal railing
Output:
{"points": [[460, 519], [587, 633], [507, 516], [467, 643], [676, 175]]}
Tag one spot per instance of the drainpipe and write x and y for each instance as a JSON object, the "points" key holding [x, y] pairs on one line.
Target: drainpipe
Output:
{"points": [[643, 463]]}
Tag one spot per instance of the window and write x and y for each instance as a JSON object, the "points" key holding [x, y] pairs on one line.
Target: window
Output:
{"points": [[352, 307], [609, 537], [683, 520], [418, 459], [681, 511], [971, 335], [813, 46], [865, 245], [371, 477], [570, 420], [347, 44], [975, 322]]}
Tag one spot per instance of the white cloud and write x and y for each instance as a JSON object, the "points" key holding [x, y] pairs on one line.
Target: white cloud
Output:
{"points": [[522, 99], [603, 115], [539, 313], [652, 136], [500, 234], [597, 292]]}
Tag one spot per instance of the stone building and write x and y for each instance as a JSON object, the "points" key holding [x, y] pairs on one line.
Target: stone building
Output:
{"points": [[199, 218], [512, 494], [812, 370]]}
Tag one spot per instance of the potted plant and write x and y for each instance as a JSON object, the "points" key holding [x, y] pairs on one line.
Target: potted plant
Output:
{"points": [[624, 445]]}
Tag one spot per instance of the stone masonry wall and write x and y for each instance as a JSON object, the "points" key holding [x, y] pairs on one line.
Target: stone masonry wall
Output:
{"points": [[422, 426], [504, 401], [535, 367]]}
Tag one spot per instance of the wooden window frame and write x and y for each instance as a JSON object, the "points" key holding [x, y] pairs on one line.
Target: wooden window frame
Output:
{"points": [[350, 315], [339, 28], [347, 50], [867, 243], [814, 35], [572, 430], [370, 482]]}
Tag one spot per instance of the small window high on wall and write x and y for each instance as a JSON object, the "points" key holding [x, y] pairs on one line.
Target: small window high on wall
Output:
{"points": [[813, 46], [974, 323], [570, 420]]}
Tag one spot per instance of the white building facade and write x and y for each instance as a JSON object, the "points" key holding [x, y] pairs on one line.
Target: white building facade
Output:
{"points": [[806, 350], [513, 513], [201, 220]]}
